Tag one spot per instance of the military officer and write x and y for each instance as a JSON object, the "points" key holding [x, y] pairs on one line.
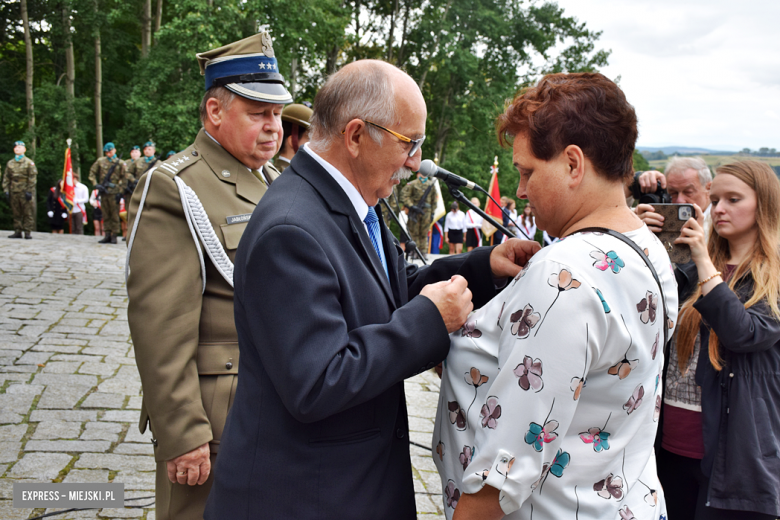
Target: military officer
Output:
{"points": [[109, 177], [180, 267], [419, 198], [295, 123], [19, 189]]}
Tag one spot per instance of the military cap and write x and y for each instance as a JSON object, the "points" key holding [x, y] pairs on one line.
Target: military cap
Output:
{"points": [[297, 114], [246, 67], [108, 147], [170, 154], [136, 147], [149, 143], [19, 143]]}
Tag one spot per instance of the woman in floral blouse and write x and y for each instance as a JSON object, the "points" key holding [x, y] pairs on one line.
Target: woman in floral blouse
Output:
{"points": [[550, 393]]}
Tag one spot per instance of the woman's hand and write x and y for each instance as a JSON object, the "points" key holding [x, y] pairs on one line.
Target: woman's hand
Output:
{"points": [[693, 235]]}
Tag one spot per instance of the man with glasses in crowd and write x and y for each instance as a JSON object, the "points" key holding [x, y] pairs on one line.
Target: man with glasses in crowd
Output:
{"points": [[331, 321]]}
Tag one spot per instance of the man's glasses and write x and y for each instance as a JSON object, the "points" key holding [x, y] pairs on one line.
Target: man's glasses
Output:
{"points": [[416, 143]]}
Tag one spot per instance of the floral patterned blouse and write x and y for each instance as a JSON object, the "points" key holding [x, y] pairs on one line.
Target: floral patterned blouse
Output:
{"points": [[551, 392]]}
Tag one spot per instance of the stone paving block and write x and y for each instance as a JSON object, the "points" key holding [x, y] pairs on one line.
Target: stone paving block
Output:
{"points": [[135, 402], [26, 389], [134, 434], [102, 351], [68, 446], [9, 512], [423, 463], [9, 357], [122, 360], [431, 481], [33, 358], [418, 424], [120, 416], [16, 344], [102, 431], [50, 315], [121, 513], [56, 339], [41, 466], [425, 504], [13, 377], [81, 331], [86, 476], [21, 369], [10, 417], [60, 367], [72, 322], [9, 451], [12, 432], [98, 368], [100, 310], [89, 514], [120, 386], [133, 448], [18, 403], [7, 488], [77, 358], [62, 380], [115, 462], [67, 349], [32, 330], [99, 400], [63, 415], [62, 397], [49, 430]]}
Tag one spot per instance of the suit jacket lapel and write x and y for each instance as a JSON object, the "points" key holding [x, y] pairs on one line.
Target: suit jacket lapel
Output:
{"points": [[308, 168]]}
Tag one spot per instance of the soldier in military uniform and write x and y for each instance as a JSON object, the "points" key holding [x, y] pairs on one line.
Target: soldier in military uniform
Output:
{"points": [[180, 282], [419, 198], [143, 164], [109, 177], [295, 123], [19, 189], [135, 153]]}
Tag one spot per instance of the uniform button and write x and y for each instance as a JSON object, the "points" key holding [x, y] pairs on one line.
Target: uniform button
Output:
{"points": [[731, 374], [400, 433], [229, 365], [154, 442], [194, 153]]}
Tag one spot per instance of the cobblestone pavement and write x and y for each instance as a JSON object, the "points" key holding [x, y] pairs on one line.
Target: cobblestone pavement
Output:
{"points": [[70, 393]]}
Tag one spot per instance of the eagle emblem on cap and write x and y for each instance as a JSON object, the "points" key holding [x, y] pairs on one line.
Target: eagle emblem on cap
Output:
{"points": [[268, 48]]}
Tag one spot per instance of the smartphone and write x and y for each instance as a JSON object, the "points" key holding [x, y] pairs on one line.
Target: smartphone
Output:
{"points": [[675, 217]]}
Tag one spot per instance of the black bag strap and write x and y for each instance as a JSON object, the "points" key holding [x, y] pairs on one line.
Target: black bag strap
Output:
{"points": [[425, 194], [107, 178], [641, 253]]}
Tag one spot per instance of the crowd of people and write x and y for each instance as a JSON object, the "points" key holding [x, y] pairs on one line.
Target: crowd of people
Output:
{"points": [[593, 379]]}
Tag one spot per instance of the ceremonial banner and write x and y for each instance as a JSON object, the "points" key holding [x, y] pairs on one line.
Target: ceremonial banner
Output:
{"points": [[491, 208], [68, 190]]}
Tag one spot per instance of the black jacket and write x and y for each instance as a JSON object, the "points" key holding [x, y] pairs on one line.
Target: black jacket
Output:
{"points": [[741, 403]]}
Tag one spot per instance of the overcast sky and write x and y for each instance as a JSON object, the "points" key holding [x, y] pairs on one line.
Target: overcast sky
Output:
{"points": [[700, 73]]}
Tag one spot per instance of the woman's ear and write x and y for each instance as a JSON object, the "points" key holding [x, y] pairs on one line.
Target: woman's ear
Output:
{"points": [[575, 160]]}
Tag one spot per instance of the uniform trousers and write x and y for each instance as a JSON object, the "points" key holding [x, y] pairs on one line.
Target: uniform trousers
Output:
{"points": [[418, 230], [22, 210], [76, 224], [110, 213]]}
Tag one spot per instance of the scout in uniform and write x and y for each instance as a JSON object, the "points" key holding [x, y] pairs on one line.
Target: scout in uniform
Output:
{"points": [[186, 218], [109, 177], [295, 123], [19, 188], [419, 198]]}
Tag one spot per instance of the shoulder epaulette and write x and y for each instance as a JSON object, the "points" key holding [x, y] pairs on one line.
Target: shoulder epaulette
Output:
{"points": [[182, 160]]}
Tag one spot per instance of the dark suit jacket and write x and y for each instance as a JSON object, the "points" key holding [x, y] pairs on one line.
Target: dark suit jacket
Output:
{"points": [[319, 427]]}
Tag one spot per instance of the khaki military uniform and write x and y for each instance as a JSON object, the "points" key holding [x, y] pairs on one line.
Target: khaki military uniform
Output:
{"points": [[281, 163], [135, 169], [185, 339], [20, 178], [109, 202], [419, 223]]}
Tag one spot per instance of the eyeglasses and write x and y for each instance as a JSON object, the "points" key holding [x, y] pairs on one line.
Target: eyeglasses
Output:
{"points": [[416, 143]]}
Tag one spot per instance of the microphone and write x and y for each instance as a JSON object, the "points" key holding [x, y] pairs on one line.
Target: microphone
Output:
{"points": [[429, 169]]}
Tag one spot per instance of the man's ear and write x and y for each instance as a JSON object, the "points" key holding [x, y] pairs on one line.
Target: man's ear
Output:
{"points": [[355, 134], [214, 111], [575, 160], [708, 186]]}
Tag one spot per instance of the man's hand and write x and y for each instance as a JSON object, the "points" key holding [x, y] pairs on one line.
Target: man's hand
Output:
{"points": [[191, 468], [648, 181], [647, 214], [453, 299], [507, 259]]}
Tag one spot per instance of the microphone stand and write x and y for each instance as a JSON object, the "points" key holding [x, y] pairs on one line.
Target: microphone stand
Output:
{"points": [[458, 195], [408, 241]]}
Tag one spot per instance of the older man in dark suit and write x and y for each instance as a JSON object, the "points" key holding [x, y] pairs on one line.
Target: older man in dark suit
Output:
{"points": [[331, 321]]}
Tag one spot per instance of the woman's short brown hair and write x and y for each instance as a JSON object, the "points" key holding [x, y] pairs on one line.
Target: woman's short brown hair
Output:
{"points": [[585, 109]]}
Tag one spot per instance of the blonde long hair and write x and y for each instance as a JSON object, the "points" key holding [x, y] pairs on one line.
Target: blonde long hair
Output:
{"points": [[763, 263]]}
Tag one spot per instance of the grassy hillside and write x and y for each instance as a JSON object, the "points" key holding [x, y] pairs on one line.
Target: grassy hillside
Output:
{"points": [[717, 160]]}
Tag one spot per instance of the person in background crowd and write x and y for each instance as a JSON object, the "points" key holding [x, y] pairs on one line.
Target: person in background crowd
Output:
{"points": [[135, 153], [527, 223], [473, 227], [498, 236], [141, 165], [180, 304], [419, 198], [78, 215], [56, 209], [688, 181], [437, 236], [295, 123], [548, 240], [19, 188], [511, 218], [170, 154], [109, 176], [455, 227], [719, 457], [547, 395], [97, 213]]}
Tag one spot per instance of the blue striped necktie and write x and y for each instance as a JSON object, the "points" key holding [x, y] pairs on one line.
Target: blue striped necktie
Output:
{"points": [[372, 224]]}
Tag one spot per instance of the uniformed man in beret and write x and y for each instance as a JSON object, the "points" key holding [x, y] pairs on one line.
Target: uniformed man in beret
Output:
{"points": [[186, 219], [19, 189], [109, 176], [419, 198], [135, 153], [141, 165], [295, 123]]}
